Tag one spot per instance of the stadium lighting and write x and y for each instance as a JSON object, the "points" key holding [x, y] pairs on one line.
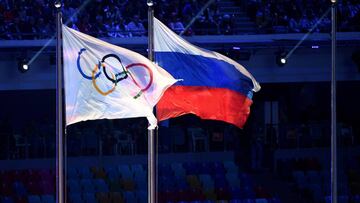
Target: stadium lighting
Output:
{"points": [[23, 65], [281, 58], [57, 4], [150, 3]]}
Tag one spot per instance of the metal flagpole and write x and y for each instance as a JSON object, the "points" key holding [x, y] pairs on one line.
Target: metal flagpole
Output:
{"points": [[151, 133], [151, 167], [60, 192], [333, 105]]}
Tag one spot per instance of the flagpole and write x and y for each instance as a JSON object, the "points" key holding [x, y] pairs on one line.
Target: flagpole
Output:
{"points": [[151, 132], [333, 105], [60, 192]]}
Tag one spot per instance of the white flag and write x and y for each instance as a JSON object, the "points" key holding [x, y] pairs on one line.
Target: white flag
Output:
{"points": [[106, 81]]}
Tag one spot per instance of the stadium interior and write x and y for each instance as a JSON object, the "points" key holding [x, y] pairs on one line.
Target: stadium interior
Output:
{"points": [[282, 155]]}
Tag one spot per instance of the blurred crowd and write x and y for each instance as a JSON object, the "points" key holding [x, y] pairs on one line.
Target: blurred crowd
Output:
{"points": [[35, 19], [294, 16]]}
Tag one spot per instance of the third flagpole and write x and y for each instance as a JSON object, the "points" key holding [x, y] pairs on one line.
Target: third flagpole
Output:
{"points": [[60, 176], [151, 132], [333, 105]]}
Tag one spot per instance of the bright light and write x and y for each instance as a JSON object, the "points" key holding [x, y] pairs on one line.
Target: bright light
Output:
{"points": [[333, 1], [150, 3], [25, 66], [57, 4], [281, 58]]}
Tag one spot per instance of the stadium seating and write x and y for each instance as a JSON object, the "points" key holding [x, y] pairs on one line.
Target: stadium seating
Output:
{"points": [[89, 198], [19, 189], [47, 199], [85, 173], [74, 186], [186, 182], [100, 185], [34, 199], [75, 197], [87, 186], [310, 180]]}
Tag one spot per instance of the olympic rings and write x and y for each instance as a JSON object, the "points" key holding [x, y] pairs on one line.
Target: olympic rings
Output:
{"points": [[117, 77]]}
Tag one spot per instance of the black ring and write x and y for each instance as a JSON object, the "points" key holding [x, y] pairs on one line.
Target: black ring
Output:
{"points": [[123, 74]]}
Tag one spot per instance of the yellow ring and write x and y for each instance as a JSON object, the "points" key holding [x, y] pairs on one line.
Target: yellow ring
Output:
{"points": [[95, 85]]}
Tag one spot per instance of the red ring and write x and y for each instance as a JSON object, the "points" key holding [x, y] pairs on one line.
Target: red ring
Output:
{"points": [[146, 67]]}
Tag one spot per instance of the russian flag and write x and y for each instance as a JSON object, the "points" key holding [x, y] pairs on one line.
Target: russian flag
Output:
{"points": [[210, 85]]}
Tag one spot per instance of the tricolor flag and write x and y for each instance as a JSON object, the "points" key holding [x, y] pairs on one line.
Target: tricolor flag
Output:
{"points": [[106, 81], [212, 86]]}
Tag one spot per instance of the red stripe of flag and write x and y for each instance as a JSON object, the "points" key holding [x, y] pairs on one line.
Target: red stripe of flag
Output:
{"points": [[206, 102]]}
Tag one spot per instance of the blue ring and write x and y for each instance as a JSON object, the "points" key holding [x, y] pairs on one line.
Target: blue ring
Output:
{"points": [[79, 67]]}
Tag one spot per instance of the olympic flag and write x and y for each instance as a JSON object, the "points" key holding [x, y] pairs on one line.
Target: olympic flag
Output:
{"points": [[213, 86], [106, 81]]}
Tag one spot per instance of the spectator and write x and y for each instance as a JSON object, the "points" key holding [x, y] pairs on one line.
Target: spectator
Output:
{"points": [[187, 11], [118, 29], [33, 29], [302, 15], [99, 29], [304, 23], [73, 25], [14, 29], [43, 29], [313, 21], [226, 25], [9, 15], [213, 10], [136, 27], [84, 24], [175, 24], [68, 14], [293, 25], [200, 25], [2, 30], [263, 19]]}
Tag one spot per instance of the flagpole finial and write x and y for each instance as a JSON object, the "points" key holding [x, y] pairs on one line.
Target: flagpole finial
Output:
{"points": [[150, 2], [57, 4]]}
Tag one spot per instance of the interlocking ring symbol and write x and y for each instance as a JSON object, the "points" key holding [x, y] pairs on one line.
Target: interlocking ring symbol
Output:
{"points": [[117, 77]]}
